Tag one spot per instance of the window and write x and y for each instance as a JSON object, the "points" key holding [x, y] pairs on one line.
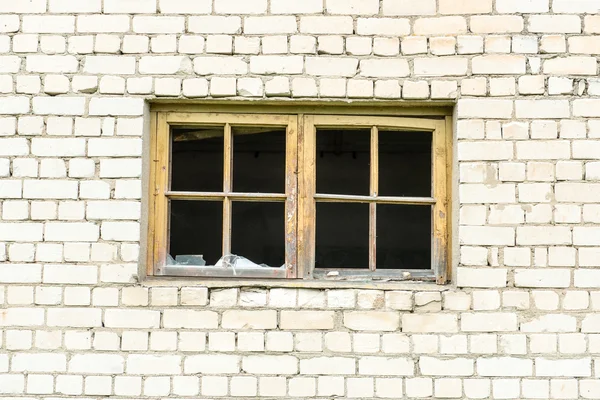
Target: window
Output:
{"points": [[299, 195]]}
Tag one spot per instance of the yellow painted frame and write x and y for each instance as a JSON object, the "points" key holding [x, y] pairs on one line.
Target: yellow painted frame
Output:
{"points": [[300, 194]]}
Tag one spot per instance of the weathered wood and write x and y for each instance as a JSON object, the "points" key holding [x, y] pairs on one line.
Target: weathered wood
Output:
{"points": [[227, 187], [374, 180], [440, 239], [348, 198], [291, 192]]}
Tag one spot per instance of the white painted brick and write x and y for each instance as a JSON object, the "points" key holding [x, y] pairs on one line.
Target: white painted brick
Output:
{"points": [[563, 368], [236, 7], [326, 25], [270, 25], [383, 26], [14, 105], [431, 366], [48, 24], [384, 68]]}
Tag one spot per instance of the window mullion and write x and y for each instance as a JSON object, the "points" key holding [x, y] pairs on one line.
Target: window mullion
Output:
{"points": [[440, 239], [374, 180], [227, 188]]}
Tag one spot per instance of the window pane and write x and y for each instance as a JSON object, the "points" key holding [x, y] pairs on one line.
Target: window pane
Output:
{"points": [[403, 237], [343, 159], [258, 232], [342, 237], [259, 160], [405, 163], [196, 229], [197, 159]]}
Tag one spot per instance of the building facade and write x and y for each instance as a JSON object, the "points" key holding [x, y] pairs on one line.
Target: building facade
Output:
{"points": [[84, 312]]}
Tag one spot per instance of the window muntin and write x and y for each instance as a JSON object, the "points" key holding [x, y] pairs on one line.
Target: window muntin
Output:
{"points": [[389, 199]]}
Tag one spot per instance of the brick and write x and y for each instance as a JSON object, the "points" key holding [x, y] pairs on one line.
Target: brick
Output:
{"points": [[586, 108], [384, 68], [48, 24], [488, 322], [59, 105], [481, 277], [268, 65], [550, 323], [383, 26], [326, 66], [485, 108], [429, 323], [431, 366], [123, 318], [484, 235], [71, 274], [555, 278], [328, 366], [116, 106], [504, 366], [352, 7], [462, 7], [270, 364], [498, 64], [185, 7], [574, 6], [233, 319], [270, 25], [145, 364], [397, 366], [129, 6], [306, 320], [121, 65], [372, 320], [214, 24], [515, 6], [442, 66], [483, 24], [326, 25], [563, 368], [574, 65], [212, 364], [440, 26]]}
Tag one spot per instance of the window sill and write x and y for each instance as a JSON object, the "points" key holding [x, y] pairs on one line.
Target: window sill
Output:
{"points": [[154, 281]]}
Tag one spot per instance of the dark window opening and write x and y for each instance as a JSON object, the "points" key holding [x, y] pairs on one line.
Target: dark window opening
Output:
{"points": [[403, 237], [258, 232], [405, 163], [258, 160], [343, 159], [196, 229], [342, 236], [197, 159]]}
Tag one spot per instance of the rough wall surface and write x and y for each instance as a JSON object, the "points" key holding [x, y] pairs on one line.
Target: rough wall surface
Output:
{"points": [[520, 320]]}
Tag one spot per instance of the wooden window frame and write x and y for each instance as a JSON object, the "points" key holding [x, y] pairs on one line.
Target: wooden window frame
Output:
{"points": [[300, 193]]}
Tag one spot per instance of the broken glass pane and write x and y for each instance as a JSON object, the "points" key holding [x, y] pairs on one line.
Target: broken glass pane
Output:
{"points": [[258, 232], [343, 160], [258, 160], [403, 236], [197, 159], [342, 236], [195, 230], [405, 163]]}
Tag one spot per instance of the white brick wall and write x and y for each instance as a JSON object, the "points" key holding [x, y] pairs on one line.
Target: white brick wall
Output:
{"points": [[519, 319]]}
